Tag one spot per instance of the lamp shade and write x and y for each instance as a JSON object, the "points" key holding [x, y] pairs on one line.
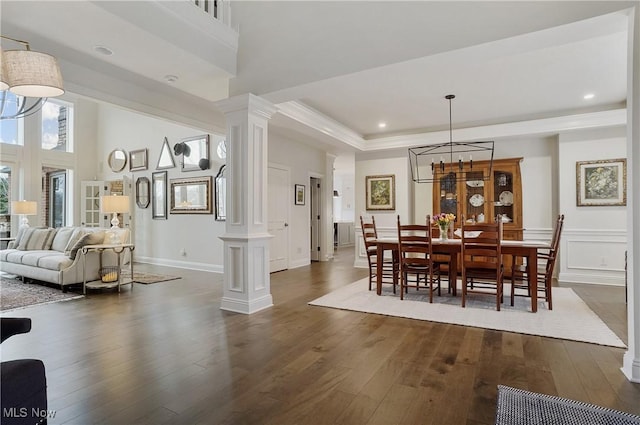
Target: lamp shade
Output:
{"points": [[31, 74], [3, 79], [24, 207], [114, 204]]}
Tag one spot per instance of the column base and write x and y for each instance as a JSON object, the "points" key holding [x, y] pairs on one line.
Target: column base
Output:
{"points": [[631, 367], [246, 307]]}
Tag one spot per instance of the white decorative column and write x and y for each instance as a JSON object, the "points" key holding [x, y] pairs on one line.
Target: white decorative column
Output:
{"points": [[327, 195], [631, 362], [246, 240]]}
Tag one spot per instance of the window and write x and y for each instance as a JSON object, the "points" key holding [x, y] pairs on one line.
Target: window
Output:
{"points": [[54, 182], [10, 130], [57, 118]]}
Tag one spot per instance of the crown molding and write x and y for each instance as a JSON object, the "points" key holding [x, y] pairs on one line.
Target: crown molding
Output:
{"points": [[319, 122]]}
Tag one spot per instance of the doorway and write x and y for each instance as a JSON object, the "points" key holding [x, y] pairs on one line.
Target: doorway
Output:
{"points": [[315, 208], [278, 226]]}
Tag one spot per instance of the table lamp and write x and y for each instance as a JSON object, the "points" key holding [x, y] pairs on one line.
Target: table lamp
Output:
{"points": [[23, 209], [115, 204]]}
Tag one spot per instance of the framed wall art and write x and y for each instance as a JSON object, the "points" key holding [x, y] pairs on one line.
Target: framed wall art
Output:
{"points": [[602, 182], [191, 196], [159, 195], [381, 192], [138, 160], [299, 194]]}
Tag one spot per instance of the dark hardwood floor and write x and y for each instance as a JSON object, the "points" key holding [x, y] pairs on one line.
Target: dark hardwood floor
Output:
{"points": [[166, 354]]}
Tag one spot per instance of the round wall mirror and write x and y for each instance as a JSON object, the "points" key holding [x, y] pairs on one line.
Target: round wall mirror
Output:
{"points": [[117, 160], [143, 189]]}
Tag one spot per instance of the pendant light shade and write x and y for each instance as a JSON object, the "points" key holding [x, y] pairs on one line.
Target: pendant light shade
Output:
{"points": [[31, 74], [4, 85]]}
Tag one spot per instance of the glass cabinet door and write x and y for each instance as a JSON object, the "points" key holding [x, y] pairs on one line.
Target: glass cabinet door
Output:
{"points": [[503, 195], [448, 194], [474, 206]]}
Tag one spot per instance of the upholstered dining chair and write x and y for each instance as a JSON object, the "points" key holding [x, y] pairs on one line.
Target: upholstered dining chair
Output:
{"points": [[416, 257], [519, 278], [481, 256], [389, 265]]}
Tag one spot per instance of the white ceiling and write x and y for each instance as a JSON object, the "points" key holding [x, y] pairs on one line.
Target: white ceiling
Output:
{"points": [[359, 63]]}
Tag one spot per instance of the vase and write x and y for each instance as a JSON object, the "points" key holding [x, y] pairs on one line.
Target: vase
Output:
{"points": [[444, 231]]}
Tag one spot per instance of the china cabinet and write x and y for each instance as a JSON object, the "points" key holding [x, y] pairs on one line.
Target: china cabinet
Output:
{"points": [[459, 189]]}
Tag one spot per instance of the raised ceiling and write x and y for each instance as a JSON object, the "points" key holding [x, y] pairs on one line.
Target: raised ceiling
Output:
{"points": [[357, 63]]}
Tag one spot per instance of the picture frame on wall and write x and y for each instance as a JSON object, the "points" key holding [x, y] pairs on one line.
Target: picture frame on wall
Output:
{"points": [[159, 195], [601, 182], [299, 194], [138, 160], [381, 192]]}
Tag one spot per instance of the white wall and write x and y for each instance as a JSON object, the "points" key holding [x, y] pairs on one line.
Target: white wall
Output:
{"points": [[344, 182], [161, 241], [303, 161], [594, 239]]}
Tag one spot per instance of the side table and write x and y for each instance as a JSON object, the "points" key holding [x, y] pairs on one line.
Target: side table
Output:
{"points": [[99, 284]]}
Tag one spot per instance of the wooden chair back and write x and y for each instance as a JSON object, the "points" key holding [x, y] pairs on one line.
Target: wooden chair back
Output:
{"points": [[414, 245], [369, 234], [481, 247], [415, 254], [553, 251]]}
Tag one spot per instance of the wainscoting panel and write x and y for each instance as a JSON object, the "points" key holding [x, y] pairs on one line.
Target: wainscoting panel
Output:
{"points": [[592, 256]]}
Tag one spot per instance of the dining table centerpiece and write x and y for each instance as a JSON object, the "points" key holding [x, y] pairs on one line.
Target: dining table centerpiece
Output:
{"points": [[443, 221]]}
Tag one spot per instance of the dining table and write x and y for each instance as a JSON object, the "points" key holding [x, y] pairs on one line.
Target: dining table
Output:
{"points": [[453, 246]]}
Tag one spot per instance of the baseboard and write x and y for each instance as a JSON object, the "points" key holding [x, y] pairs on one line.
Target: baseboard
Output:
{"points": [[301, 262], [592, 279], [213, 268], [246, 307]]}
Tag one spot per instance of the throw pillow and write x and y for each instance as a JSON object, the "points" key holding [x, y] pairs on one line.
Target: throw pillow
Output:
{"points": [[36, 239], [92, 238], [62, 238], [75, 237]]}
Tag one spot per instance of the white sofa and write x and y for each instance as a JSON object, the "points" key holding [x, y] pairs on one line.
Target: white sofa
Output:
{"points": [[53, 255]]}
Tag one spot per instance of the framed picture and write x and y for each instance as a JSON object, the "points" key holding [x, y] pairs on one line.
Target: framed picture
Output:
{"points": [[601, 182], [138, 160], [381, 192], [299, 200], [191, 195], [159, 195]]}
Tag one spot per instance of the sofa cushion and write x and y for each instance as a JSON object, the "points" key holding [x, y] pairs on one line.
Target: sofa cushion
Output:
{"points": [[91, 238], [4, 254], [62, 237], [31, 258], [55, 261], [36, 239]]}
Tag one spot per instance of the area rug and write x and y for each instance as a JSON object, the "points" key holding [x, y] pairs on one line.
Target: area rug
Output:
{"points": [[570, 318], [15, 294], [147, 278], [520, 407]]}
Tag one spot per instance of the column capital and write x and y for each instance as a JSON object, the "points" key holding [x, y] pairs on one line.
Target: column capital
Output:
{"points": [[247, 102]]}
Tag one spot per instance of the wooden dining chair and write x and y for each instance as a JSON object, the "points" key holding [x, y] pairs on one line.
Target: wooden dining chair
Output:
{"points": [[481, 256], [390, 266], [416, 258], [519, 278]]}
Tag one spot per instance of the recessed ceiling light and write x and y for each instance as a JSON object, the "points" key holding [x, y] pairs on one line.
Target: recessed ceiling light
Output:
{"points": [[170, 78], [589, 96], [382, 124], [103, 50]]}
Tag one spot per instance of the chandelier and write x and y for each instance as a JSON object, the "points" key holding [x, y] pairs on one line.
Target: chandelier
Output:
{"points": [[27, 79], [452, 160]]}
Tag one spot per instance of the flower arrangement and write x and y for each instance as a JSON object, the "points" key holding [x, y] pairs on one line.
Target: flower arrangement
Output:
{"points": [[443, 219]]}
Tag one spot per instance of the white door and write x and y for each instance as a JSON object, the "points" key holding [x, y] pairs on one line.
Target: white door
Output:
{"points": [[90, 203], [278, 227], [314, 253]]}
